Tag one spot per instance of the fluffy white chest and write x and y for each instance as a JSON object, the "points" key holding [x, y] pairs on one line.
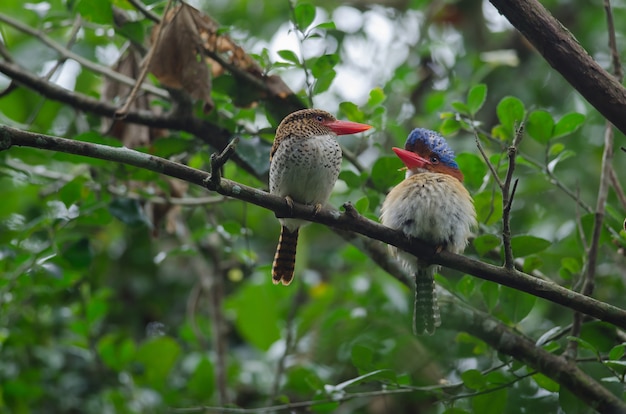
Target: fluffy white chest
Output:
{"points": [[306, 169], [434, 207]]}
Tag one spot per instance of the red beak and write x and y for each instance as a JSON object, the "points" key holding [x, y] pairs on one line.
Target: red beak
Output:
{"points": [[346, 127], [410, 159]]}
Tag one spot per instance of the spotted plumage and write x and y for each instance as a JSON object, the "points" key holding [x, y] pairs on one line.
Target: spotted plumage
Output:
{"points": [[431, 204], [305, 161]]}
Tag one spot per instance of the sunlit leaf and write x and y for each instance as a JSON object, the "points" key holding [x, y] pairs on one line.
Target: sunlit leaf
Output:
{"points": [[568, 123], [476, 98], [525, 245], [546, 383], [540, 126], [157, 356], [460, 107], [516, 305], [510, 112], [201, 384], [474, 379], [449, 126], [490, 403], [473, 168], [491, 293], [304, 14], [289, 56], [386, 173]]}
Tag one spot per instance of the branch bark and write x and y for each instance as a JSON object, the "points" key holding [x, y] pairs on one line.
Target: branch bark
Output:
{"points": [[563, 52], [348, 221]]}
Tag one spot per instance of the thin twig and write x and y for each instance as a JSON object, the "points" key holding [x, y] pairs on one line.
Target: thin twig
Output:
{"points": [[145, 11], [102, 70], [123, 111], [603, 191], [619, 191], [507, 200], [494, 173], [218, 161]]}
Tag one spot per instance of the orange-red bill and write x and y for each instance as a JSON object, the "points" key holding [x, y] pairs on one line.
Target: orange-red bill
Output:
{"points": [[410, 159], [346, 127]]}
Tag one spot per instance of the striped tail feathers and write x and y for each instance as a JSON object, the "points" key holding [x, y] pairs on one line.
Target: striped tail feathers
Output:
{"points": [[426, 315], [285, 257]]}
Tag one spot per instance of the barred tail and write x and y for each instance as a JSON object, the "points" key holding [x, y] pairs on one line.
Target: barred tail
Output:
{"points": [[285, 257], [426, 310]]}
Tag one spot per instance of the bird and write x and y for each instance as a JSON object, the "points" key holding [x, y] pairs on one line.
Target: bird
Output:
{"points": [[430, 204], [305, 161]]}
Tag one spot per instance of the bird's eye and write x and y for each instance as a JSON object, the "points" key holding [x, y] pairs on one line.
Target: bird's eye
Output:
{"points": [[434, 159], [319, 118]]}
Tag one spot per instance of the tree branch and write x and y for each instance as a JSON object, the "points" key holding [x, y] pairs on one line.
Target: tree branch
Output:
{"points": [[209, 133], [504, 339], [563, 52], [330, 217]]}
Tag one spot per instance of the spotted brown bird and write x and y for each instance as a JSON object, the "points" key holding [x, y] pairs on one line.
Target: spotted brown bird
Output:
{"points": [[304, 165], [433, 205]]}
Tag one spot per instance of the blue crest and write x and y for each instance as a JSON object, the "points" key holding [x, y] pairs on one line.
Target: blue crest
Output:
{"points": [[420, 138]]}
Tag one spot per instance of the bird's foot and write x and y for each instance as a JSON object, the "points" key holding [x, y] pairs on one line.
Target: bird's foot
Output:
{"points": [[317, 208], [289, 202]]}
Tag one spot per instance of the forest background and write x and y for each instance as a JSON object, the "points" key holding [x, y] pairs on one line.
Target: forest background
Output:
{"points": [[131, 283]]}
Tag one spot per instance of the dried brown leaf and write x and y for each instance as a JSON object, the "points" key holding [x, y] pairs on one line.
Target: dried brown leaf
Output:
{"points": [[131, 135], [178, 59]]}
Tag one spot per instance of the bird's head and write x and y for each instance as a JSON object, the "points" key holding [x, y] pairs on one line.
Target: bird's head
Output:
{"points": [[427, 151], [308, 122]]}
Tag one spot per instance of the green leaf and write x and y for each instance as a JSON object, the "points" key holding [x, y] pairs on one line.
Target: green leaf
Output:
{"points": [[510, 112], [322, 83], [362, 205], [322, 65], [378, 374], [490, 403], [473, 379], [449, 126], [485, 243], [289, 56], [546, 383], [466, 286], [386, 173], [377, 96], [257, 313], [460, 107], [476, 98], [100, 12], [491, 294], [326, 26], [116, 351], [540, 126], [525, 245], [201, 385], [129, 212], [304, 14], [488, 207], [352, 179], [617, 352], [516, 305], [362, 358], [352, 112], [473, 168], [79, 253], [158, 356], [568, 123]]}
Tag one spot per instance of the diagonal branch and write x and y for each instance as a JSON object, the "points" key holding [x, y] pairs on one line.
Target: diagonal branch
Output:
{"points": [[330, 217], [563, 52]]}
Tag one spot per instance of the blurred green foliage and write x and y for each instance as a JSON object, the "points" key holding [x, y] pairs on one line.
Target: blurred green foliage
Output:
{"points": [[106, 303]]}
